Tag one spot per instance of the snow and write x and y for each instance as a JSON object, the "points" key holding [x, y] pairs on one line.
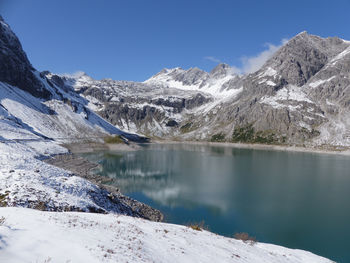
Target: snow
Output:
{"points": [[94, 104], [270, 72], [215, 87], [319, 82], [35, 236], [340, 56], [211, 105], [52, 118], [329, 103], [212, 86], [286, 94], [270, 83], [305, 125], [26, 179]]}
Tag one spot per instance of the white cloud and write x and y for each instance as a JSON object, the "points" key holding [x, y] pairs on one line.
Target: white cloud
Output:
{"points": [[75, 74], [253, 63], [236, 70], [213, 59]]}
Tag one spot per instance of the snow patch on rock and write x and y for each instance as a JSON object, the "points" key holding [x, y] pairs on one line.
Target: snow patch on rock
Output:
{"points": [[290, 93]]}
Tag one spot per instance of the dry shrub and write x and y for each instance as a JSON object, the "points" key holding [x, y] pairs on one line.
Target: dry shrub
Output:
{"points": [[245, 238], [198, 226]]}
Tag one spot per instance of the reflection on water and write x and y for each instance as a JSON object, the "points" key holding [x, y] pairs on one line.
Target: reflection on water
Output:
{"points": [[297, 200]]}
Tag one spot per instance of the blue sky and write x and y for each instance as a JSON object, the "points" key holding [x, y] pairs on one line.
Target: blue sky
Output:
{"points": [[134, 39]]}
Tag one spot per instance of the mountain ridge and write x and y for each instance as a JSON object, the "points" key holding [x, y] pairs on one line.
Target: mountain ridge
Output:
{"points": [[300, 96], [279, 103]]}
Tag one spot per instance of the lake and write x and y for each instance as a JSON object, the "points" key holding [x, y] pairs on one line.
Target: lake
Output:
{"points": [[293, 199]]}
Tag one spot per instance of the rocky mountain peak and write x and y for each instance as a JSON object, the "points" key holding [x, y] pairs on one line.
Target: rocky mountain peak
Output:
{"points": [[303, 56], [15, 67], [221, 70], [191, 76]]}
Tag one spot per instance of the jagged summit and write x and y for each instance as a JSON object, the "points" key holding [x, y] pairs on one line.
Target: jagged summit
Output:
{"points": [[303, 56], [302, 33], [220, 70]]}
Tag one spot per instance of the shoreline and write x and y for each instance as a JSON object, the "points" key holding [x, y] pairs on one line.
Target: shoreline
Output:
{"points": [[345, 151], [88, 147], [83, 168]]}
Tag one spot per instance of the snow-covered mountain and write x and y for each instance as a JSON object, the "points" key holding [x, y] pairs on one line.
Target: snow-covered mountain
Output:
{"points": [[216, 83], [299, 96]]}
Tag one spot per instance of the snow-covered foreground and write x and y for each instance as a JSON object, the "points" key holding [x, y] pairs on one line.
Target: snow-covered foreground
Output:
{"points": [[34, 236]]}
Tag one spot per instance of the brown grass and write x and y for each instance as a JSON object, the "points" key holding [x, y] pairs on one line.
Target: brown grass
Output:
{"points": [[198, 226], [113, 139], [245, 238]]}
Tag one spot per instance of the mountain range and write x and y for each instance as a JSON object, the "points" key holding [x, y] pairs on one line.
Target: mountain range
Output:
{"points": [[300, 96]]}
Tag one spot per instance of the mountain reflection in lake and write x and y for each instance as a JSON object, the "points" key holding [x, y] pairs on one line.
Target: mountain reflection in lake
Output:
{"points": [[298, 200]]}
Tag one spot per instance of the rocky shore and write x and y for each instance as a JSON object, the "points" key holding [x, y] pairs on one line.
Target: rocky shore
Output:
{"points": [[83, 168]]}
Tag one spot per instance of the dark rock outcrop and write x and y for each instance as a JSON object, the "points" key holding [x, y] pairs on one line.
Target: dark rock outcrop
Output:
{"points": [[15, 67]]}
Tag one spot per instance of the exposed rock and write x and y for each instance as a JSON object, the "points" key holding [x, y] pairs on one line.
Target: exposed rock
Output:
{"points": [[15, 67]]}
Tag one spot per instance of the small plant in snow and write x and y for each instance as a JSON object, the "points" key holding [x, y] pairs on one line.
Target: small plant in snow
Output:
{"points": [[245, 238], [198, 226]]}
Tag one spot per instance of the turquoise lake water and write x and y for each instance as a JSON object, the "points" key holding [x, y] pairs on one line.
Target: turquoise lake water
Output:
{"points": [[293, 199]]}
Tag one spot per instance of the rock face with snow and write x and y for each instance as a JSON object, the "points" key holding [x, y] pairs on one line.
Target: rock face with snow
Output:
{"points": [[280, 99], [46, 106], [299, 96], [15, 68], [132, 106], [158, 106]]}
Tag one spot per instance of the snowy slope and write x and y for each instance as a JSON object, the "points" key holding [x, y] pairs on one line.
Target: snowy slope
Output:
{"points": [[195, 79], [85, 237], [51, 118], [27, 181]]}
